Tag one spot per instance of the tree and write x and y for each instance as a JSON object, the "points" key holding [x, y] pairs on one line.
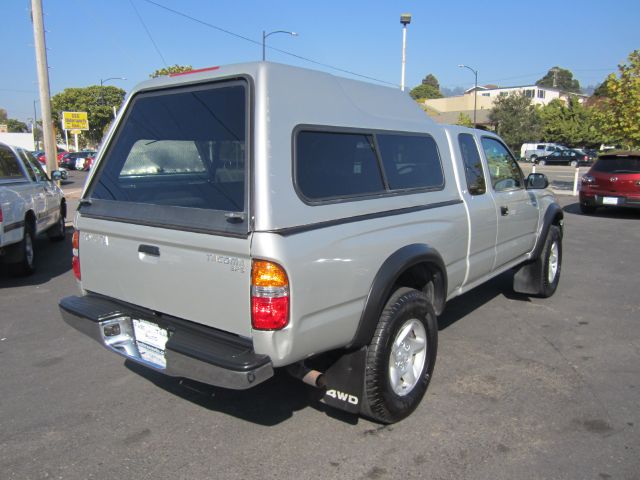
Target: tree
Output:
{"points": [[464, 120], [169, 70], [429, 88], [560, 78], [570, 123], [431, 79], [516, 120], [97, 101], [618, 112], [3, 115], [16, 126]]}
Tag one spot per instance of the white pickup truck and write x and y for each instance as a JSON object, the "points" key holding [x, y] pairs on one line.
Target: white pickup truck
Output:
{"points": [[30, 203]]}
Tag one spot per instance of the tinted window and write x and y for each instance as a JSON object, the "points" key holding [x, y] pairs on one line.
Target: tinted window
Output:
{"points": [[9, 167], [472, 164], [333, 165], [33, 166], [617, 165], [410, 161], [504, 170], [184, 147]]}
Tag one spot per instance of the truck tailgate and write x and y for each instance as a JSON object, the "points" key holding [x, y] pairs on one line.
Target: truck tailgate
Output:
{"points": [[199, 277]]}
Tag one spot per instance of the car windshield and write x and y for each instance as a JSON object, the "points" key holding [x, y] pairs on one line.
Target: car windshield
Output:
{"points": [[618, 165]]}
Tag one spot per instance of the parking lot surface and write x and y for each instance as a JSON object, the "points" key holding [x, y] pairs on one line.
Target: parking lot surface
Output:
{"points": [[523, 388]]}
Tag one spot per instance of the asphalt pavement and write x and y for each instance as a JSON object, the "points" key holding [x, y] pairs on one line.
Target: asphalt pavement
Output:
{"points": [[523, 388]]}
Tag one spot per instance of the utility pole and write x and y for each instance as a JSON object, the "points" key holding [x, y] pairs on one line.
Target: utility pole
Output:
{"points": [[48, 135]]}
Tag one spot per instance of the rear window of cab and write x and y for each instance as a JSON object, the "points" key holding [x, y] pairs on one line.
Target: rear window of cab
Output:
{"points": [[337, 165]]}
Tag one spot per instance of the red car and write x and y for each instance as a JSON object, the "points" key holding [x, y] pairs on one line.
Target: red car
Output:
{"points": [[613, 181], [43, 159]]}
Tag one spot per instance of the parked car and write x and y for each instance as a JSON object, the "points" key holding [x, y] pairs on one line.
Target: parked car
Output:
{"points": [[30, 203], [77, 160], [530, 152], [564, 157], [592, 155], [613, 181], [42, 158], [220, 239]]}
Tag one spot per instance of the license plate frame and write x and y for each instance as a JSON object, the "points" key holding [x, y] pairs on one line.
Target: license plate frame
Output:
{"points": [[151, 340]]}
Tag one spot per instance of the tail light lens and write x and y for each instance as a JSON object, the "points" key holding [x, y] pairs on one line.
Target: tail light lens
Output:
{"points": [[269, 296], [75, 260], [588, 180], [1, 217]]}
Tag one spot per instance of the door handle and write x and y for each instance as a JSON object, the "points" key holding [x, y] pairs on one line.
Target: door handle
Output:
{"points": [[504, 211], [149, 250]]}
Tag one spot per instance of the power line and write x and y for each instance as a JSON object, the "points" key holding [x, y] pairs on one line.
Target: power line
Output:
{"points": [[250, 40], [148, 33]]}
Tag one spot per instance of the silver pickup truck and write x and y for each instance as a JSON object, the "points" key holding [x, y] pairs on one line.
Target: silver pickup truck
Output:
{"points": [[259, 216], [30, 203]]}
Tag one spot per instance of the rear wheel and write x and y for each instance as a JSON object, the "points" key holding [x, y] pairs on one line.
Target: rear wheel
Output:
{"points": [[574, 163], [57, 232], [551, 262], [401, 357], [542, 162], [26, 254]]}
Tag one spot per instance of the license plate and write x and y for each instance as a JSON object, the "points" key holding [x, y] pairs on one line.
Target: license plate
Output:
{"points": [[151, 340], [610, 200]]}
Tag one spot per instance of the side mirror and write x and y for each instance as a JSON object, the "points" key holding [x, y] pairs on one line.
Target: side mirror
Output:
{"points": [[537, 181]]}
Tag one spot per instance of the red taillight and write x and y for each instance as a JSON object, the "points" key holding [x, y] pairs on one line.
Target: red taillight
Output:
{"points": [[75, 260], [269, 296], [0, 214]]}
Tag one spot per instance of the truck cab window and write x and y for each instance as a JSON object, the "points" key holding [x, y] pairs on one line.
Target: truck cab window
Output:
{"points": [[504, 170]]}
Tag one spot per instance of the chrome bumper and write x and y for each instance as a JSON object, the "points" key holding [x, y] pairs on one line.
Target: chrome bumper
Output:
{"points": [[192, 351]]}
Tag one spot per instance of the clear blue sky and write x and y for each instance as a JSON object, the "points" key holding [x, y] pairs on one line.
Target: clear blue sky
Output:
{"points": [[508, 42]]}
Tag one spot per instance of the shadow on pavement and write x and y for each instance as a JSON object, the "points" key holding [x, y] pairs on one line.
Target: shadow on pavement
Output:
{"points": [[52, 260], [268, 403], [609, 212]]}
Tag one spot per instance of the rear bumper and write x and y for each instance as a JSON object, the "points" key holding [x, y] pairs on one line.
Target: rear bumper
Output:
{"points": [[594, 199], [192, 351]]}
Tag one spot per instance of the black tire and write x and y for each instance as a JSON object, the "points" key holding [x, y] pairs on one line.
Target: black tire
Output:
{"points": [[533, 158], [573, 163], [57, 232], [551, 254], [587, 209], [411, 311], [542, 163], [26, 254]]}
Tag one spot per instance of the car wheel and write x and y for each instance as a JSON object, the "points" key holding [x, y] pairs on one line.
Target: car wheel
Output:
{"points": [[541, 162], [401, 357], [587, 209], [57, 232], [574, 163], [551, 262], [534, 158], [26, 254]]}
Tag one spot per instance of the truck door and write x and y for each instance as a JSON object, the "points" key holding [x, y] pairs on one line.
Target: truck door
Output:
{"points": [[47, 203], [516, 208], [483, 221]]}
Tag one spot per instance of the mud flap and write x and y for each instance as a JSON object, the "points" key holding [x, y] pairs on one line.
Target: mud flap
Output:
{"points": [[345, 382], [527, 278]]}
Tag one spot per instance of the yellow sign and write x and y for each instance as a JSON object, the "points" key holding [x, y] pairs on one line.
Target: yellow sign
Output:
{"points": [[75, 121], [75, 132]]}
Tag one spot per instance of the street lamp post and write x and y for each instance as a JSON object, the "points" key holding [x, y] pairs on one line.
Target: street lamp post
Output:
{"points": [[102, 82], [405, 19], [264, 39], [475, 92]]}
